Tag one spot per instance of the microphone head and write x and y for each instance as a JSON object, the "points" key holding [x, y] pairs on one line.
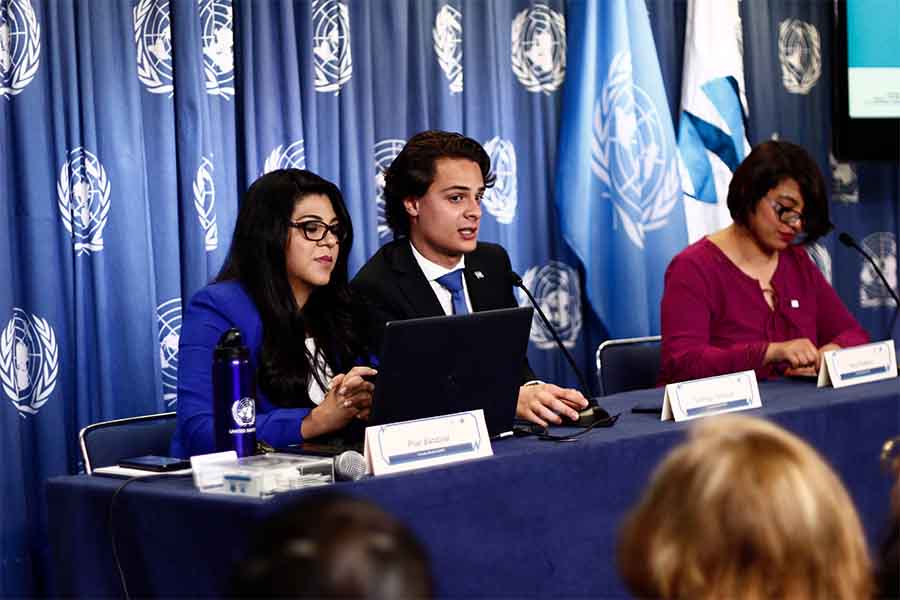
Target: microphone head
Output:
{"points": [[349, 466], [847, 240]]}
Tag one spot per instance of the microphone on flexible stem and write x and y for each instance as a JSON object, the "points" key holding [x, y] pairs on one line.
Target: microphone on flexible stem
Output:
{"points": [[592, 414], [847, 240]]}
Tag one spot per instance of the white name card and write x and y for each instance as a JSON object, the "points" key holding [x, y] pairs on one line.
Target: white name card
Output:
{"points": [[859, 364], [209, 473], [411, 445], [711, 396]]}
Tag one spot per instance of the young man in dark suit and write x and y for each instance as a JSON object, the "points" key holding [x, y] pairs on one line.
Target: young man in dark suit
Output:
{"points": [[436, 265]]}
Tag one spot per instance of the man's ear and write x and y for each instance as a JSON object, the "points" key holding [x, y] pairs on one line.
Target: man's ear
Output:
{"points": [[411, 204]]}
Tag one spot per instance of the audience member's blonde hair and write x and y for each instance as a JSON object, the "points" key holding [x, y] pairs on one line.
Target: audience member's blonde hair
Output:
{"points": [[744, 509]]}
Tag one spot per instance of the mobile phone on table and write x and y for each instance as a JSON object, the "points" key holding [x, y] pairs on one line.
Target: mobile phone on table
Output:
{"points": [[159, 464]]}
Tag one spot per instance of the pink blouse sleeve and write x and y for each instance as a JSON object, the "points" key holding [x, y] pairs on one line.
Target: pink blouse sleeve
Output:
{"points": [[687, 316]]}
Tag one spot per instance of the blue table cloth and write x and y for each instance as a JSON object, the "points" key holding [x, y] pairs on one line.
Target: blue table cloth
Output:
{"points": [[537, 519]]}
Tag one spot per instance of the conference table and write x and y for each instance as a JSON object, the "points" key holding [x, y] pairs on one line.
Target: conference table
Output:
{"points": [[537, 519]]}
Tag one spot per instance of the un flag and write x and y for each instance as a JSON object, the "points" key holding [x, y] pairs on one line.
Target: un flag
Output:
{"points": [[618, 190]]}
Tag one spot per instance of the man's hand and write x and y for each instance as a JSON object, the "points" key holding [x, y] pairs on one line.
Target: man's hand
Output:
{"points": [[543, 403]]}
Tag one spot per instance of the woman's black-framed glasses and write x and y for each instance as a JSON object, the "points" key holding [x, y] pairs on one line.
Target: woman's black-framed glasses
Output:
{"points": [[786, 215], [315, 231]]}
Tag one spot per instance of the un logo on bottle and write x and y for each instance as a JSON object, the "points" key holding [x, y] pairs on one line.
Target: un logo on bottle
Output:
{"points": [[558, 292], [332, 60], [538, 50], [168, 316], [243, 412], [501, 200], [217, 21], [385, 153], [153, 41], [20, 46], [882, 246], [447, 34], [800, 54], [29, 361], [629, 154], [292, 157], [205, 203], [83, 198]]}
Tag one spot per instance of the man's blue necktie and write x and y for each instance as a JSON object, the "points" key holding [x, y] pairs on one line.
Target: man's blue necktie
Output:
{"points": [[453, 282]]}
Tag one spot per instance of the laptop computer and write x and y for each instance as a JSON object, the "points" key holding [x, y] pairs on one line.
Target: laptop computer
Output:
{"points": [[443, 365]]}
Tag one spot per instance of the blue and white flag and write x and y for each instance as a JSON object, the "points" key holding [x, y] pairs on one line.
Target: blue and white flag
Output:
{"points": [[712, 138], [617, 186]]}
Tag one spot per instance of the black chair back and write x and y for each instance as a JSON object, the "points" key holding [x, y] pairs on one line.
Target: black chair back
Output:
{"points": [[104, 444], [628, 364]]}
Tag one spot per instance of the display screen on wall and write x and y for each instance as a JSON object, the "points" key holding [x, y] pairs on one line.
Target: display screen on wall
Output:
{"points": [[867, 80], [873, 58]]}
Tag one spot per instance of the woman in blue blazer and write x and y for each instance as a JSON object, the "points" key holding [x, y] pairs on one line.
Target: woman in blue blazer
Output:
{"points": [[284, 286]]}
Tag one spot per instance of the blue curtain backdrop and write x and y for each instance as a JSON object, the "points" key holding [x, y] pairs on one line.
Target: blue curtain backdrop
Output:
{"points": [[130, 129]]}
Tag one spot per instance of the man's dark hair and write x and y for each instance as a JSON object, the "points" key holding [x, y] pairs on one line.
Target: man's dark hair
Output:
{"points": [[765, 167], [333, 546], [412, 172]]}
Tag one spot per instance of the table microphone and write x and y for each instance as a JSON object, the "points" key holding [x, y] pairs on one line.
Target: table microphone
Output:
{"points": [[593, 413], [349, 465], [847, 240]]}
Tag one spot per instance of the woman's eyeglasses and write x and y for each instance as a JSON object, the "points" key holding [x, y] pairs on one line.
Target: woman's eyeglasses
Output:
{"points": [[786, 215], [315, 231]]}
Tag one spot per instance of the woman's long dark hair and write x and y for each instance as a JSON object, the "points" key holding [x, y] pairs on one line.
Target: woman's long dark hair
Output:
{"points": [[257, 260]]}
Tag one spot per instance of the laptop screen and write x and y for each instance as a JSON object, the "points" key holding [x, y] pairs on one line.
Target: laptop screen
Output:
{"points": [[443, 365]]}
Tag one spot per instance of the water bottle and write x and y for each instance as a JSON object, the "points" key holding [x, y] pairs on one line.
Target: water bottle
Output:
{"points": [[234, 396]]}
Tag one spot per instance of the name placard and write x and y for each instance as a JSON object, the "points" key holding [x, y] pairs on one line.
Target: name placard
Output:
{"points": [[711, 396], [411, 445], [859, 364]]}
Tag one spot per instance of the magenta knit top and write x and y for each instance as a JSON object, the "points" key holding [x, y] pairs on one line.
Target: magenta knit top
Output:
{"points": [[715, 318]]}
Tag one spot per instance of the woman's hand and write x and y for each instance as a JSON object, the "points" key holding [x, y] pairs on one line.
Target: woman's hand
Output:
{"points": [[355, 393], [806, 371], [349, 396], [797, 353]]}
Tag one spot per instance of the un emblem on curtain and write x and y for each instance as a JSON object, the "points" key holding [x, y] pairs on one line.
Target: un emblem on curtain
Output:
{"points": [[29, 361], [800, 54], [332, 59], [447, 34], [20, 47], [83, 198], [557, 289], [539, 49], [153, 42], [882, 246]]}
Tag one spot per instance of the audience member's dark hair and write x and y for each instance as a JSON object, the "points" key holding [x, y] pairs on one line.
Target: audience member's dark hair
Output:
{"points": [[331, 546], [257, 260], [412, 172], [887, 575], [765, 167]]}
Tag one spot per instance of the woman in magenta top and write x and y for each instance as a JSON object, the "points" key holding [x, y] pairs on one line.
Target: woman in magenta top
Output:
{"points": [[748, 296]]}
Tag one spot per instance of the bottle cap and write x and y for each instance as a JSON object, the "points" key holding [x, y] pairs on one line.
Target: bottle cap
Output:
{"points": [[231, 346]]}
